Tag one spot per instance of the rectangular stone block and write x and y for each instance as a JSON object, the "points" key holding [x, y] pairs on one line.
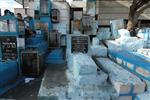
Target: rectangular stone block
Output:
{"points": [[125, 43], [104, 92], [130, 59], [115, 26], [95, 41], [92, 80], [98, 51], [121, 78], [125, 98], [83, 65], [104, 34], [113, 45]]}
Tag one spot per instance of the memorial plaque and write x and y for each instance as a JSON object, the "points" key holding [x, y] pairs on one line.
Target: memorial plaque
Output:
{"points": [[30, 63], [79, 44], [87, 23], [9, 47], [44, 7], [55, 15], [54, 39]]}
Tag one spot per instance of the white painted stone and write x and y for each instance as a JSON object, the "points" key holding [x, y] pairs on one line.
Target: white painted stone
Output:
{"points": [[113, 45], [99, 51], [104, 92], [95, 41], [143, 96], [124, 33], [89, 86], [115, 26], [125, 98], [121, 78], [64, 9], [104, 34], [83, 64], [89, 91], [147, 85], [123, 40], [125, 43], [145, 51], [70, 62], [92, 80]]}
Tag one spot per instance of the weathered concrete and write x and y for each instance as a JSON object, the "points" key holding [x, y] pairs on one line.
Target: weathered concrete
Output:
{"points": [[95, 41], [98, 51], [90, 84], [121, 78], [83, 65], [144, 51], [88, 91], [54, 83], [143, 96], [104, 34], [125, 43], [92, 80]]}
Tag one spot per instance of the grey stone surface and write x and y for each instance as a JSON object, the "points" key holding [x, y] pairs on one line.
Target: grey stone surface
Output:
{"points": [[54, 84], [89, 80], [89, 85], [90, 90]]}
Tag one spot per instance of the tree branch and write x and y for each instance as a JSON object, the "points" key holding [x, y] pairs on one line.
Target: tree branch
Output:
{"points": [[139, 3], [141, 10]]}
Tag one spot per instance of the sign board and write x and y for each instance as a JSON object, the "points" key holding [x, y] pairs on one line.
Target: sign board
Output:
{"points": [[79, 44], [30, 63], [9, 47]]}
